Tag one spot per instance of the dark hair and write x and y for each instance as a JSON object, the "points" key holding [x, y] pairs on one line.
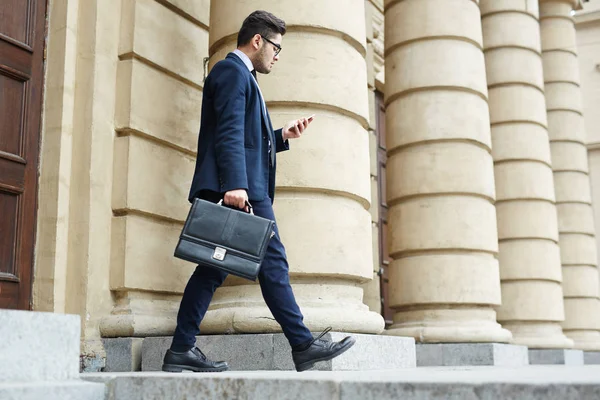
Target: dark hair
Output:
{"points": [[262, 22]]}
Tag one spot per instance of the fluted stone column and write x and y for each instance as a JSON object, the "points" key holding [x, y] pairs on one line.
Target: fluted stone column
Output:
{"points": [[530, 271], [570, 164], [444, 276], [323, 182]]}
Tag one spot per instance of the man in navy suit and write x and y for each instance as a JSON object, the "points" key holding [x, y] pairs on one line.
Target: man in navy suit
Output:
{"points": [[236, 163]]}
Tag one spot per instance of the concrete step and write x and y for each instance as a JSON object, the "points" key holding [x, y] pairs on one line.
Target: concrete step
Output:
{"points": [[65, 390], [431, 383], [38, 346], [272, 352]]}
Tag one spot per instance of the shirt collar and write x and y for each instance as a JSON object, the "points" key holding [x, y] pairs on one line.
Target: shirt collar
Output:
{"points": [[244, 58]]}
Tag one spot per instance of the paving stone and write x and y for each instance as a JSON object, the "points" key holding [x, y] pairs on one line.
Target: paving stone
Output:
{"points": [[427, 383], [272, 352], [467, 354], [591, 357], [37, 346], [123, 354], [242, 352], [65, 390], [555, 356]]}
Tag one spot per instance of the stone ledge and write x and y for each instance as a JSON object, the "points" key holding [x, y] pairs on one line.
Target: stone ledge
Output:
{"points": [[37, 346], [471, 354], [123, 354], [65, 390], [467, 383], [272, 352], [555, 356]]}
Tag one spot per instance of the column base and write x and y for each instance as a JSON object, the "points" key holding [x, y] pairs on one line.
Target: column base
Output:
{"points": [[585, 340], [539, 335], [591, 357], [260, 320], [555, 356], [471, 354], [272, 352]]}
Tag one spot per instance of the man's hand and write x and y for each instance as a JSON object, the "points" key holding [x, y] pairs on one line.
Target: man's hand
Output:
{"points": [[236, 198], [295, 128]]}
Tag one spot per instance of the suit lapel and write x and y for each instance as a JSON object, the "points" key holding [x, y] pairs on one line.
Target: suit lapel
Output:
{"points": [[266, 120]]}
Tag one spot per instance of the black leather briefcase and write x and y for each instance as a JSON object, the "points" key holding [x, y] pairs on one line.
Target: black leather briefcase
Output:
{"points": [[224, 238]]}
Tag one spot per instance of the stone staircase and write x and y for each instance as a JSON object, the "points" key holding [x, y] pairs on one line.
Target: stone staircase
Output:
{"points": [[39, 358]]}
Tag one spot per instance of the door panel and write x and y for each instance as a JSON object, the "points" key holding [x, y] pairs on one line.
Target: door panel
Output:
{"points": [[22, 32]]}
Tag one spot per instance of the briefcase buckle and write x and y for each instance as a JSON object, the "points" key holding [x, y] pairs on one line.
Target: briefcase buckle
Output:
{"points": [[219, 254]]}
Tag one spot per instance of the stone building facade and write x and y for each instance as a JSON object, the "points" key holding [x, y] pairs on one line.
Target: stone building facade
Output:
{"points": [[446, 172]]}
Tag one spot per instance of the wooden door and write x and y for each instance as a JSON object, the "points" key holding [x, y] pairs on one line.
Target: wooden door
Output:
{"points": [[384, 255], [22, 31]]}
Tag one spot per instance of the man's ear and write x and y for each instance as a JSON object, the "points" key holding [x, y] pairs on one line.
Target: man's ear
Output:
{"points": [[256, 41]]}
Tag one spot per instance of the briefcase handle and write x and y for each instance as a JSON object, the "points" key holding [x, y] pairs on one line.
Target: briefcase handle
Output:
{"points": [[247, 203]]}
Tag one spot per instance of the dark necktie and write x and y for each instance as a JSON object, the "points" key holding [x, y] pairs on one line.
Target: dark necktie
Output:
{"points": [[271, 155]]}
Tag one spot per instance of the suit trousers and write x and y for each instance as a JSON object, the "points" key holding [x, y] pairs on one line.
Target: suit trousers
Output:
{"points": [[274, 283]]}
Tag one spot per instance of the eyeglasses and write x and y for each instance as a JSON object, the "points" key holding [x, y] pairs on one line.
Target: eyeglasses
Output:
{"points": [[277, 46]]}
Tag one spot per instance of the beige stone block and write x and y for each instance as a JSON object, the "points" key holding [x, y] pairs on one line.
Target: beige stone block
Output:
{"points": [[370, 66], [334, 75], [563, 96], [445, 279], [376, 246], [325, 235], [445, 18], [575, 217], [590, 81], [510, 65], [158, 105], [569, 156], [311, 163], [166, 39], [526, 219], [494, 6], [228, 16], [437, 223], [572, 187], [142, 255], [374, 209], [373, 109], [523, 180], [197, 9], [530, 259], [520, 141], [566, 125], [557, 33], [517, 103], [434, 64], [373, 149], [372, 296], [577, 249], [555, 8], [143, 171], [511, 30], [531, 301], [369, 11], [594, 160], [578, 312], [560, 66], [458, 115], [440, 168], [580, 281]]}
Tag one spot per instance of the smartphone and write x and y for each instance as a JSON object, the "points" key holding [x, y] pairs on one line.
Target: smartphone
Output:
{"points": [[311, 118]]}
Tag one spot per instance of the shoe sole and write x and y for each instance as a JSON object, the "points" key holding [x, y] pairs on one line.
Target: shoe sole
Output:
{"points": [[181, 368], [309, 364]]}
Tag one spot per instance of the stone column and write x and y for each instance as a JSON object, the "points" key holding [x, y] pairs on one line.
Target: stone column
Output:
{"points": [[444, 275], [323, 187], [570, 165], [532, 297]]}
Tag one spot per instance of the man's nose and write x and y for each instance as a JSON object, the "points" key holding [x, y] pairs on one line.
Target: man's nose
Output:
{"points": [[276, 58]]}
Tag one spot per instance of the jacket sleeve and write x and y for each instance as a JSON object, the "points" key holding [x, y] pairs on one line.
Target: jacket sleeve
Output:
{"points": [[280, 144], [229, 93]]}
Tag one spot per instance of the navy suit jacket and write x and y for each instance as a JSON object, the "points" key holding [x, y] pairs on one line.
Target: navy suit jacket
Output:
{"points": [[234, 135]]}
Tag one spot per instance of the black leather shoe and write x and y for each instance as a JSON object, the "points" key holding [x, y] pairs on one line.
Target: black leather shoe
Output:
{"points": [[320, 350], [192, 360]]}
